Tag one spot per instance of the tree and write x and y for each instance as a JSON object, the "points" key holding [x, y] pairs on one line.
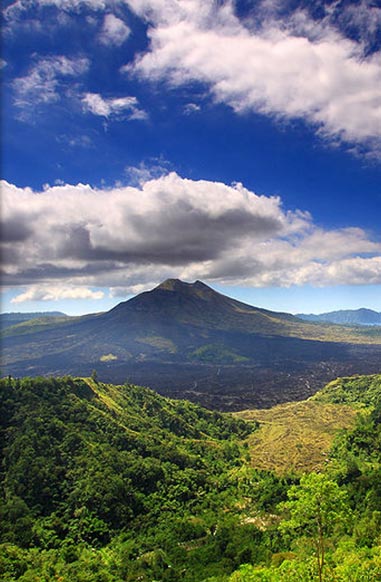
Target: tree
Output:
{"points": [[318, 507]]}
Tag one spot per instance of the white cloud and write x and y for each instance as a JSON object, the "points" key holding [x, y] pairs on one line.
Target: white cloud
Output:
{"points": [[156, 168], [289, 69], [128, 237], [191, 108], [350, 271], [274, 62], [82, 141], [363, 18], [44, 80], [51, 78], [114, 32], [14, 10], [57, 293], [112, 106], [320, 258]]}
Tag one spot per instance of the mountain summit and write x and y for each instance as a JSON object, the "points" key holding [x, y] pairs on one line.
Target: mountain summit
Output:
{"points": [[177, 302], [182, 286], [171, 288]]}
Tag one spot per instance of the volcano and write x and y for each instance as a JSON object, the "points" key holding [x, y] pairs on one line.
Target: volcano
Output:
{"points": [[186, 340]]}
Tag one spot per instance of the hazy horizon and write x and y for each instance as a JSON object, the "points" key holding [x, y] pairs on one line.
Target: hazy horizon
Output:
{"points": [[265, 299]]}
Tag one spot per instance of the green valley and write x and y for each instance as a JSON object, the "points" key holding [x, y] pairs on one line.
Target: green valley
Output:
{"points": [[116, 483]]}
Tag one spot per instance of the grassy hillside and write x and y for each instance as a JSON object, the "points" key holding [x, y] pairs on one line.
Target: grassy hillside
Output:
{"points": [[296, 436], [354, 390], [345, 499]]}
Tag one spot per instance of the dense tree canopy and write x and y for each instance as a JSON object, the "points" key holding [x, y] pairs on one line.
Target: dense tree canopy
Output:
{"points": [[104, 483]]}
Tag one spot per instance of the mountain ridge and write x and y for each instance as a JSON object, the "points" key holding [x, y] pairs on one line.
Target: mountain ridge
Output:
{"points": [[361, 316]]}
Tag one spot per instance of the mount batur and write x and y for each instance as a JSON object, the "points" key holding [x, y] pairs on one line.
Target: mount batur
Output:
{"points": [[188, 341]]}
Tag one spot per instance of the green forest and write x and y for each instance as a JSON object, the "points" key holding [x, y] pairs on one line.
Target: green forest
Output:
{"points": [[104, 483]]}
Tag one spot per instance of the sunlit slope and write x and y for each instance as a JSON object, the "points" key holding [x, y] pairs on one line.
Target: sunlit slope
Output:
{"points": [[295, 437], [354, 390]]}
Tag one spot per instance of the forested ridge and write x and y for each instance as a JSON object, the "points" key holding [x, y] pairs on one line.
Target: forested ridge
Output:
{"points": [[116, 483]]}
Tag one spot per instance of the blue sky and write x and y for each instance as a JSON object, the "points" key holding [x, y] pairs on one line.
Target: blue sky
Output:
{"points": [[234, 142]]}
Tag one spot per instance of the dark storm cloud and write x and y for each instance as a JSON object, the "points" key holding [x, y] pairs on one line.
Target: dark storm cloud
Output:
{"points": [[15, 230]]}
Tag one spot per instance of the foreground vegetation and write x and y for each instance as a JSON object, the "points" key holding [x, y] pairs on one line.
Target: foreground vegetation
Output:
{"points": [[103, 483]]}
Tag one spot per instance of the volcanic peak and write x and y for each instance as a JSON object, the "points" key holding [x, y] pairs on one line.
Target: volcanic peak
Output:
{"points": [[178, 285]]}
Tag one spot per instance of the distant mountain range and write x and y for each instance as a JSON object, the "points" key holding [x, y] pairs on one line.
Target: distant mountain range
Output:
{"points": [[346, 317], [9, 319], [188, 341]]}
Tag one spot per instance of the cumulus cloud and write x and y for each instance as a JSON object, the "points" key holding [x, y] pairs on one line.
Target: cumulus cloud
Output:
{"points": [[44, 80], [129, 238], [113, 106], [114, 32], [35, 293], [289, 68], [343, 257]]}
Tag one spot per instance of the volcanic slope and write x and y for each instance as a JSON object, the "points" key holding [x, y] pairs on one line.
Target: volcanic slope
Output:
{"points": [[10, 319], [186, 340]]}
